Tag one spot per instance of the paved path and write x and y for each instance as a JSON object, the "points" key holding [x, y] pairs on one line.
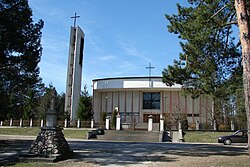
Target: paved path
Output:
{"points": [[101, 153]]}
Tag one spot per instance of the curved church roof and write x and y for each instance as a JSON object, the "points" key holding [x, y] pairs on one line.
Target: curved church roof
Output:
{"points": [[153, 82]]}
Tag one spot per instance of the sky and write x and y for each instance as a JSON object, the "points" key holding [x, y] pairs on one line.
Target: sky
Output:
{"points": [[121, 38]]}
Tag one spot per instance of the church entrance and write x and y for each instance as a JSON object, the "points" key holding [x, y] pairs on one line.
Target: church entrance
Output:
{"points": [[156, 118]]}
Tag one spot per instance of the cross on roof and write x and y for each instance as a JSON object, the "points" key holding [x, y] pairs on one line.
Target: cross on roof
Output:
{"points": [[149, 74], [75, 17], [149, 69]]}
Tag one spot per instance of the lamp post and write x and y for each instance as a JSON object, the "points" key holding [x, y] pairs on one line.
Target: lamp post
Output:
{"points": [[106, 98], [165, 101]]}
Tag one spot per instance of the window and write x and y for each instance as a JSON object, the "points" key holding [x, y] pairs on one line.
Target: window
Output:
{"points": [[81, 51], [191, 115], [151, 100]]}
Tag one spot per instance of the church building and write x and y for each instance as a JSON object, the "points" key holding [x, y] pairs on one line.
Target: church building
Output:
{"points": [[138, 97]]}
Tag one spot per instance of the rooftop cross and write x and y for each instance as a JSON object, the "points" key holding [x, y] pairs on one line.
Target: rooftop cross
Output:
{"points": [[75, 17], [149, 69], [149, 73]]}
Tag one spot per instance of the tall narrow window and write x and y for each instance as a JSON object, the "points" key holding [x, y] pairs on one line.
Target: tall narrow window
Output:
{"points": [[151, 100], [81, 51]]}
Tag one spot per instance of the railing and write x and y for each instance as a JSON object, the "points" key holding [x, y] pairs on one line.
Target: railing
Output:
{"points": [[41, 123], [91, 124]]}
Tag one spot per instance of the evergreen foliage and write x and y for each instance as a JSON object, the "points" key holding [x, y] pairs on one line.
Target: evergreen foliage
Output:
{"points": [[210, 61], [44, 104], [85, 108], [20, 53], [103, 116], [113, 122]]}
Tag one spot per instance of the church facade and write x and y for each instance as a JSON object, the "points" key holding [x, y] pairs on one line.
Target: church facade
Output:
{"points": [[138, 97]]}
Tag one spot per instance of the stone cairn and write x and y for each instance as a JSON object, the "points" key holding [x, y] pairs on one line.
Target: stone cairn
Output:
{"points": [[50, 142]]}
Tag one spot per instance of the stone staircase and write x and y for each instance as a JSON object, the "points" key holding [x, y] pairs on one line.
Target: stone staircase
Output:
{"points": [[134, 136]]}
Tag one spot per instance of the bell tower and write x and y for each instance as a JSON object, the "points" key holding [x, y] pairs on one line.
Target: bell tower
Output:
{"points": [[74, 74]]}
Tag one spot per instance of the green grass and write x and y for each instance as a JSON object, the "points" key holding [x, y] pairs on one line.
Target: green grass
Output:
{"points": [[204, 137], [68, 133], [20, 131], [191, 136], [77, 134]]}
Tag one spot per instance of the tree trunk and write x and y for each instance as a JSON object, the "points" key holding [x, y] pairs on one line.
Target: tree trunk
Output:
{"points": [[244, 27]]}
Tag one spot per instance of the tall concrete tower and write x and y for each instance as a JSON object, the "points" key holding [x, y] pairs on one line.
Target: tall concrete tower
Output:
{"points": [[74, 75]]}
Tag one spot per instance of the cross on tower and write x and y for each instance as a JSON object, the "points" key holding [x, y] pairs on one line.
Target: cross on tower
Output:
{"points": [[149, 73], [75, 17]]}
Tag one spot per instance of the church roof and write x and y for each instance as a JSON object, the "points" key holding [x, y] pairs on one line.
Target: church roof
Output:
{"points": [[153, 82]]}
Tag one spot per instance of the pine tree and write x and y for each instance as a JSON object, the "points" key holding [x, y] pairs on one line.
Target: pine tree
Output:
{"points": [[243, 17], [212, 56], [20, 53], [210, 52], [85, 108]]}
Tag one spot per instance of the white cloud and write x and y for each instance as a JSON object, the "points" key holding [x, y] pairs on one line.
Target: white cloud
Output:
{"points": [[133, 51], [107, 58], [93, 42]]}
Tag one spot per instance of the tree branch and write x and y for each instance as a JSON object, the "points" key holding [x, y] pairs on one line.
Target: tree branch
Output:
{"points": [[231, 23]]}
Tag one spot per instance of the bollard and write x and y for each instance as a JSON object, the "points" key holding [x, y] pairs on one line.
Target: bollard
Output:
{"points": [[232, 126], [180, 133], [11, 122], [1, 123], [65, 123], [31, 122], [78, 123], [107, 123], [118, 122], [162, 124], [197, 125], [92, 123], [215, 126], [21, 122], [41, 122], [150, 123]]}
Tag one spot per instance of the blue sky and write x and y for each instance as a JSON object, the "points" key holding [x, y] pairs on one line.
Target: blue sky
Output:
{"points": [[121, 38]]}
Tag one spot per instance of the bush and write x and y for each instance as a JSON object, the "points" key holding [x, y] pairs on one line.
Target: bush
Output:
{"points": [[114, 114], [184, 124], [222, 127], [192, 126], [103, 116]]}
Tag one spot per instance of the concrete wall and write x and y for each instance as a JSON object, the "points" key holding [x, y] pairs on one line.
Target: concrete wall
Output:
{"points": [[74, 75]]}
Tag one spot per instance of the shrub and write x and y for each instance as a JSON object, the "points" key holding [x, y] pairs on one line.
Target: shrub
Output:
{"points": [[222, 127], [103, 116], [192, 126], [114, 114]]}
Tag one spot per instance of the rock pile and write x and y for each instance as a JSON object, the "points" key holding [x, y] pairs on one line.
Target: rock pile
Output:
{"points": [[49, 142]]}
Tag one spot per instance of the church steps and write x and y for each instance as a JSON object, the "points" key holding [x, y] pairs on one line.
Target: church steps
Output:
{"points": [[129, 135]]}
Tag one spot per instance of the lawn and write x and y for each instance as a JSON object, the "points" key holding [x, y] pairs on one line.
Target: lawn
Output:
{"points": [[203, 137], [191, 136], [68, 133]]}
